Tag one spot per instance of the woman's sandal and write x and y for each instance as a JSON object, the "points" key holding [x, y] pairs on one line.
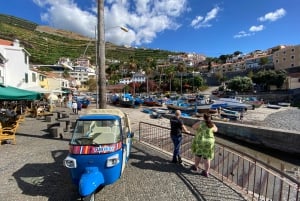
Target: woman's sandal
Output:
{"points": [[204, 173]]}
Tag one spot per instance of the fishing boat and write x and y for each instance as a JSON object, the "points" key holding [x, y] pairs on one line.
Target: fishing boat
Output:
{"points": [[126, 100], [183, 106], [230, 114], [272, 106], [254, 102], [231, 104], [151, 102], [206, 109], [284, 104]]}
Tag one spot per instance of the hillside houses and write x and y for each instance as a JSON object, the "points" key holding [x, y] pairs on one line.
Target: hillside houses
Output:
{"points": [[16, 71]]}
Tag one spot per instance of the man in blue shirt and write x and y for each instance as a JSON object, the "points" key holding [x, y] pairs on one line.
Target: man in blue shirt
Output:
{"points": [[176, 135]]}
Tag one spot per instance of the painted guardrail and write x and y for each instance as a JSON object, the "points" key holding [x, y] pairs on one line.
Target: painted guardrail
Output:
{"points": [[256, 178]]}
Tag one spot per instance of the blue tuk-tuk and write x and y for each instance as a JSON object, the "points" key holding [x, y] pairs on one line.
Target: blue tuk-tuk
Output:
{"points": [[99, 150]]}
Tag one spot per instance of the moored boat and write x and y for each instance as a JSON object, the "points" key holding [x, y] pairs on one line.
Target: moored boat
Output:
{"points": [[284, 104], [230, 114], [272, 106]]}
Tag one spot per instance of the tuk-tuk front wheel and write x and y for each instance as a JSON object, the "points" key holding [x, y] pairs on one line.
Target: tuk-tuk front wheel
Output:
{"points": [[90, 197]]}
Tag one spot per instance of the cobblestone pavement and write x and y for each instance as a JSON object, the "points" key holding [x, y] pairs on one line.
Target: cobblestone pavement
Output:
{"points": [[32, 170]]}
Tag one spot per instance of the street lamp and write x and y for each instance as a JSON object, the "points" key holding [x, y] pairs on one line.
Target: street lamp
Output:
{"points": [[101, 55]]}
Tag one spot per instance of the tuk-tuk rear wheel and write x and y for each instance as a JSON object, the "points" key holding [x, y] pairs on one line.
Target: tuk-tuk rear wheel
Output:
{"points": [[90, 197]]}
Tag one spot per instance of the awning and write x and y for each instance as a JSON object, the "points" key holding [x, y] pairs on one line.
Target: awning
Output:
{"points": [[12, 93]]}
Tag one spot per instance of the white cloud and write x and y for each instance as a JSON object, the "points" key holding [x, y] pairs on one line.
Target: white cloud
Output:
{"points": [[201, 21], [273, 16], [242, 34], [256, 28], [144, 18], [197, 20], [252, 30]]}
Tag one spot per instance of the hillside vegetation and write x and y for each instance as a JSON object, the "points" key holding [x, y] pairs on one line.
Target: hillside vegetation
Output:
{"points": [[46, 45]]}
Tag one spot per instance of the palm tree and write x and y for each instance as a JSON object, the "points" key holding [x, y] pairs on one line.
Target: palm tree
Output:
{"points": [[150, 66], [132, 66], [170, 71], [161, 72], [181, 68]]}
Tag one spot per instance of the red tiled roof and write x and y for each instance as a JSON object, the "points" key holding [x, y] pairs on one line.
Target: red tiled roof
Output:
{"points": [[115, 88], [6, 42]]}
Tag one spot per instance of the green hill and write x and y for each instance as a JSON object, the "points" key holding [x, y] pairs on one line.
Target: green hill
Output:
{"points": [[46, 45]]}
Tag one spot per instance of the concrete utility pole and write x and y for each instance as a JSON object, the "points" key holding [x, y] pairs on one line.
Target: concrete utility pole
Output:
{"points": [[101, 57]]}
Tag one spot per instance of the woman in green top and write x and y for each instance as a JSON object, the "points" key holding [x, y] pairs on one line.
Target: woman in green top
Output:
{"points": [[204, 143]]}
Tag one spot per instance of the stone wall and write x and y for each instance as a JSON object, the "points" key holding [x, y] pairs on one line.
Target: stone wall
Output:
{"points": [[282, 140]]}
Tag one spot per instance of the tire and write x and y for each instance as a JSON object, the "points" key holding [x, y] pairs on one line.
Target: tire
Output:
{"points": [[90, 197]]}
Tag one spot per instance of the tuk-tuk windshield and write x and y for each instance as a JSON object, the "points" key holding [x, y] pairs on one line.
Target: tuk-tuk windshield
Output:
{"points": [[93, 132]]}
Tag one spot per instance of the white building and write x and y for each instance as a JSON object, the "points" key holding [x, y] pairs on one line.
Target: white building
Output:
{"points": [[136, 78], [14, 66], [82, 73]]}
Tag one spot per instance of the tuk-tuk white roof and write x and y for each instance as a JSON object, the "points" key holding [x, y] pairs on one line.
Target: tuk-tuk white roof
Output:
{"points": [[108, 111]]}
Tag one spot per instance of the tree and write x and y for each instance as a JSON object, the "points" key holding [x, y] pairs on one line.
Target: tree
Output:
{"points": [[265, 78], [91, 84], [263, 61], [240, 84], [236, 53], [181, 68], [148, 68], [209, 66], [250, 74], [223, 58], [220, 76], [197, 81], [66, 73], [170, 72]]}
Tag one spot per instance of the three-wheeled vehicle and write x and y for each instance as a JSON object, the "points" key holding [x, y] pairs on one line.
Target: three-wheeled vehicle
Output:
{"points": [[99, 150]]}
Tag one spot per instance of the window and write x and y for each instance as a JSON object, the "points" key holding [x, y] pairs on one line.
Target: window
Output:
{"points": [[292, 57], [41, 78], [292, 65], [33, 77], [26, 78]]}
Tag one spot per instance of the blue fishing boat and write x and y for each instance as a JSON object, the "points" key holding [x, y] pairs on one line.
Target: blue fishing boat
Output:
{"points": [[127, 100], [183, 106]]}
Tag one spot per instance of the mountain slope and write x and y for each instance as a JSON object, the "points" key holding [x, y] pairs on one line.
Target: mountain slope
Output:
{"points": [[46, 45]]}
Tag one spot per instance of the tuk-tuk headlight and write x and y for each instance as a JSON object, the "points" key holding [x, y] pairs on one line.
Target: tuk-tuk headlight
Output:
{"points": [[70, 162], [112, 160]]}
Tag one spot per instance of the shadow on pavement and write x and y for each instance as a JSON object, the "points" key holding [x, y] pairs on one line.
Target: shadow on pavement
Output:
{"points": [[147, 160], [51, 180]]}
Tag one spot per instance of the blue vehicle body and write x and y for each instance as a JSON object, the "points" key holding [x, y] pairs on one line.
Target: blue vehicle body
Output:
{"points": [[99, 149]]}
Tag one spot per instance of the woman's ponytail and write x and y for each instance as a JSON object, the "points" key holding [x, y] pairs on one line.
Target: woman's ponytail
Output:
{"points": [[207, 119]]}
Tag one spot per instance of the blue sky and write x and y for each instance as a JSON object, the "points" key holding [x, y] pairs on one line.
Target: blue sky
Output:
{"points": [[206, 27]]}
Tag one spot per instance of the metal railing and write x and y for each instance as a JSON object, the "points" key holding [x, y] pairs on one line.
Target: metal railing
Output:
{"points": [[256, 178]]}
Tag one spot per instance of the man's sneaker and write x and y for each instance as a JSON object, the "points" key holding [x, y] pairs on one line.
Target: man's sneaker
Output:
{"points": [[174, 161], [179, 160]]}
